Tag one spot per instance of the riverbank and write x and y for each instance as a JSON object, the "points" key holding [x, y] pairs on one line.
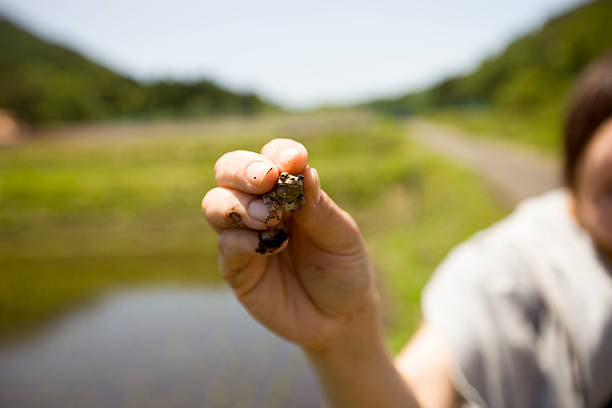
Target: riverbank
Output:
{"points": [[85, 211]]}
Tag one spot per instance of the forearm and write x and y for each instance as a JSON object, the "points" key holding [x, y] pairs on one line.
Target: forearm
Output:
{"points": [[357, 370]]}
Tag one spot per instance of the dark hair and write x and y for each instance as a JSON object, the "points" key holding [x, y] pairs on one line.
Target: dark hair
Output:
{"points": [[590, 107]]}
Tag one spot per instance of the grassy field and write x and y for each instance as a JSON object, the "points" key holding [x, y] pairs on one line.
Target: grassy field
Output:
{"points": [[537, 128], [83, 211]]}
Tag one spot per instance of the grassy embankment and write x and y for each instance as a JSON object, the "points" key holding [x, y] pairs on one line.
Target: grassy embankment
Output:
{"points": [[540, 129], [80, 216]]}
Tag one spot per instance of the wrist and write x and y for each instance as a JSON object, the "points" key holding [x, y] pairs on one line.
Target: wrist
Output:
{"points": [[357, 338], [356, 370]]}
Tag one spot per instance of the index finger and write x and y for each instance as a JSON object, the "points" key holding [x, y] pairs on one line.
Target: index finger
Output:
{"points": [[249, 172], [287, 154]]}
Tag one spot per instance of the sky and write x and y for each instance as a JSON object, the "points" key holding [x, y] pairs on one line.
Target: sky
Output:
{"points": [[296, 54]]}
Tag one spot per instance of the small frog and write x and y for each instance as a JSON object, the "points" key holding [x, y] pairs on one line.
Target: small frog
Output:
{"points": [[288, 195]]}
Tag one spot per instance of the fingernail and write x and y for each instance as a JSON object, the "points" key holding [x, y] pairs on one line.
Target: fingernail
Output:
{"points": [[257, 171], [288, 155], [258, 210], [317, 192]]}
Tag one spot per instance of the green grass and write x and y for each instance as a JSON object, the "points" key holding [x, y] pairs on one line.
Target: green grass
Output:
{"points": [[83, 215], [537, 128]]}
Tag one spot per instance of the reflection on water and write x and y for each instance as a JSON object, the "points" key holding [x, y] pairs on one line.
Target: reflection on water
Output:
{"points": [[157, 348]]}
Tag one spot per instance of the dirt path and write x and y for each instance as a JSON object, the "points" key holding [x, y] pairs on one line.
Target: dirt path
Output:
{"points": [[513, 173]]}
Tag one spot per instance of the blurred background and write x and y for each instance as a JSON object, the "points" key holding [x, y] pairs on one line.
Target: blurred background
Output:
{"points": [[426, 121]]}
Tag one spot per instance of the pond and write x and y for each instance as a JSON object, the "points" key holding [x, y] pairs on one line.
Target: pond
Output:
{"points": [[157, 347]]}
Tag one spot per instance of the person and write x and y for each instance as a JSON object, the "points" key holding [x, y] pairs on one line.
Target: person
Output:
{"points": [[520, 315]]}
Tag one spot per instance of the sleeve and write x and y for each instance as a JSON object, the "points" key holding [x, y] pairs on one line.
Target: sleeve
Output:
{"points": [[480, 301]]}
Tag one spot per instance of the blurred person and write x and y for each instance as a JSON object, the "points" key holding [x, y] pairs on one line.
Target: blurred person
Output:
{"points": [[520, 315]]}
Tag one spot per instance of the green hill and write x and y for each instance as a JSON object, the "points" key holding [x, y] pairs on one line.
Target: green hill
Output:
{"points": [[42, 83], [530, 79]]}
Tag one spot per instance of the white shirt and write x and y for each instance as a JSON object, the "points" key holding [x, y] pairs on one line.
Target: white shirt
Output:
{"points": [[526, 309]]}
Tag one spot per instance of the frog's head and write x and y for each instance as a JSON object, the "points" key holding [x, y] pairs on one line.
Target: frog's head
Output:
{"points": [[287, 179]]}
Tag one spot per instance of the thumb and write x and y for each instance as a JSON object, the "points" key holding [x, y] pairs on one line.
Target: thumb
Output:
{"points": [[327, 225]]}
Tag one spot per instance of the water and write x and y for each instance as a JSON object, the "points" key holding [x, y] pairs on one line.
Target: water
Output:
{"points": [[157, 348]]}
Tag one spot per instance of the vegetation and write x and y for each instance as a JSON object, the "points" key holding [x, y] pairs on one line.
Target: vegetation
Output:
{"points": [[519, 94], [540, 128], [81, 215], [44, 83]]}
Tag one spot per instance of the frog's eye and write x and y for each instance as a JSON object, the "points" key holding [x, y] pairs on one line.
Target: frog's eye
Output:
{"points": [[284, 176], [300, 177]]}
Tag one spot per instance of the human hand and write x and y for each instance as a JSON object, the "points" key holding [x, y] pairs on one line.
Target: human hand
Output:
{"points": [[308, 287]]}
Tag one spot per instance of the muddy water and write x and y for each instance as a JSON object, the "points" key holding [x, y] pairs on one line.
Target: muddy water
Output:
{"points": [[157, 348]]}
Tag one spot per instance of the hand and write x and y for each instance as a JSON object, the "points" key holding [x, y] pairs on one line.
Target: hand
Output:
{"points": [[315, 282]]}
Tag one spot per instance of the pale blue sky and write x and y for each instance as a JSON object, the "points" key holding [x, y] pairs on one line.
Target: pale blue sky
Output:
{"points": [[298, 54]]}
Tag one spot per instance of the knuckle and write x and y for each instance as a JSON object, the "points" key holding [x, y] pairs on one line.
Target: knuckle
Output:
{"points": [[204, 204], [233, 217], [210, 201], [227, 160], [221, 209], [206, 200], [220, 161]]}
